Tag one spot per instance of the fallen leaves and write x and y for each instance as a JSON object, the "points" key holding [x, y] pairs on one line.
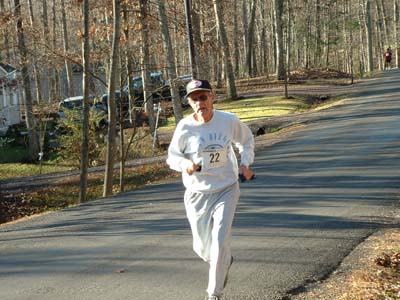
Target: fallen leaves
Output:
{"points": [[388, 260], [373, 274]]}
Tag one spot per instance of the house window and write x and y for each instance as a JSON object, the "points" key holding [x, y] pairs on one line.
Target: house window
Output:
{"points": [[15, 99], [7, 100]]}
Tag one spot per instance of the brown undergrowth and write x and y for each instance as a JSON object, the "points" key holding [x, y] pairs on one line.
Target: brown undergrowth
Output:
{"points": [[371, 272], [20, 205]]}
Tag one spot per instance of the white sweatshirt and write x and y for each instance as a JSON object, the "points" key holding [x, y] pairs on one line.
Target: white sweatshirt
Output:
{"points": [[210, 145]]}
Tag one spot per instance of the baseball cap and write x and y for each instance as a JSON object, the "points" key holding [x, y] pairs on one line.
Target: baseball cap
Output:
{"points": [[197, 85]]}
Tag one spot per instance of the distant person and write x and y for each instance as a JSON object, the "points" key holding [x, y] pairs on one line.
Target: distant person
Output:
{"points": [[202, 149], [388, 58]]}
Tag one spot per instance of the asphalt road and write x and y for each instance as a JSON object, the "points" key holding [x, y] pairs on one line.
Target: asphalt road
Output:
{"points": [[318, 194]]}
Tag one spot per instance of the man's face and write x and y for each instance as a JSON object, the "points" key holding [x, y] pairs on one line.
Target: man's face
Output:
{"points": [[202, 104]]}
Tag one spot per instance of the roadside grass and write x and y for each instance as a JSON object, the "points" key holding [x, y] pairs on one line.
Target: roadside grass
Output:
{"points": [[263, 107], [12, 164], [66, 194], [14, 170], [246, 109], [250, 109]]}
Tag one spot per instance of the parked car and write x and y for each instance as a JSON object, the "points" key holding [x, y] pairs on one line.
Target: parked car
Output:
{"points": [[161, 92], [75, 106], [161, 88], [72, 103], [120, 98]]}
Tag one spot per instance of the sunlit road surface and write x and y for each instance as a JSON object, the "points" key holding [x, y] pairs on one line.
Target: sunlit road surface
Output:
{"points": [[317, 195]]}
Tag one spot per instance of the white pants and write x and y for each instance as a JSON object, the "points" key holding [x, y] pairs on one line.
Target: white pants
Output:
{"points": [[210, 217]]}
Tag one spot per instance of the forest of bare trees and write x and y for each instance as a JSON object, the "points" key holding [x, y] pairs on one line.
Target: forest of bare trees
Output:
{"points": [[48, 41], [247, 38]]}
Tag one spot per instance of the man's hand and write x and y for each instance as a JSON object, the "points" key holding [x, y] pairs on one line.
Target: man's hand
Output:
{"points": [[246, 172], [191, 167]]}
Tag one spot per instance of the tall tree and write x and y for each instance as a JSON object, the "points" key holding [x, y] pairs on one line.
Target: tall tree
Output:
{"points": [[368, 30], [228, 68], [85, 82], [396, 26], [129, 64], [236, 50], [199, 61], [263, 42], [145, 63], [288, 46], [46, 35], [278, 14], [318, 34], [68, 68], [24, 61], [250, 40], [170, 59], [36, 73], [112, 110], [55, 76], [245, 29], [384, 17]]}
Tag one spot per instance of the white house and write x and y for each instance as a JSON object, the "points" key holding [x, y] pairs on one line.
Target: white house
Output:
{"points": [[10, 97]]}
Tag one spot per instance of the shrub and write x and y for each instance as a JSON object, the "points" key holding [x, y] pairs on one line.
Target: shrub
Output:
{"points": [[70, 139]]}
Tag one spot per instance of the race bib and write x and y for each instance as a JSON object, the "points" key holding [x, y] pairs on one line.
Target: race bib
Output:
{"points": [[214, 158]]}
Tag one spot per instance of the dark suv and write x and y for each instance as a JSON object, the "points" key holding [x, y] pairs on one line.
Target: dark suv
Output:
{"points": [[161, 88]]}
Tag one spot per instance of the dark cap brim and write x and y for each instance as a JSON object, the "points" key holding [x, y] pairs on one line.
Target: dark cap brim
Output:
{"points": [[195, 90]]}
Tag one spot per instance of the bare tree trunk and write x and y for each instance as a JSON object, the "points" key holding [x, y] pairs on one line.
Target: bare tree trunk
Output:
{"points": [[384, 22], [29, 117], [121, 119], [362, 53], [307, 41], [250, 40], [236, 53], [327, 42], [245, 29], [85, 126], [108, 176], [263, 43], [396, 27], [68, 68], [350, 13], [318, 35], [278, 12], [56, 78], [46, 34], [176, 47], [145, 62], [380, 46], [169, 57], [201, 63], [36, 72], [369, 36], [129, 65], [288, 48], [230, 76]]}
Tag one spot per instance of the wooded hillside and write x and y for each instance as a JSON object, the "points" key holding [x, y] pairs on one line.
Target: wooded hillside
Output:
{"points": [[263, 37]]}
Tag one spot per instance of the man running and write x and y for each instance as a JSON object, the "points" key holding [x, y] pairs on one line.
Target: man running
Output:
{"points": [[202, 149], [388, 58]]}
